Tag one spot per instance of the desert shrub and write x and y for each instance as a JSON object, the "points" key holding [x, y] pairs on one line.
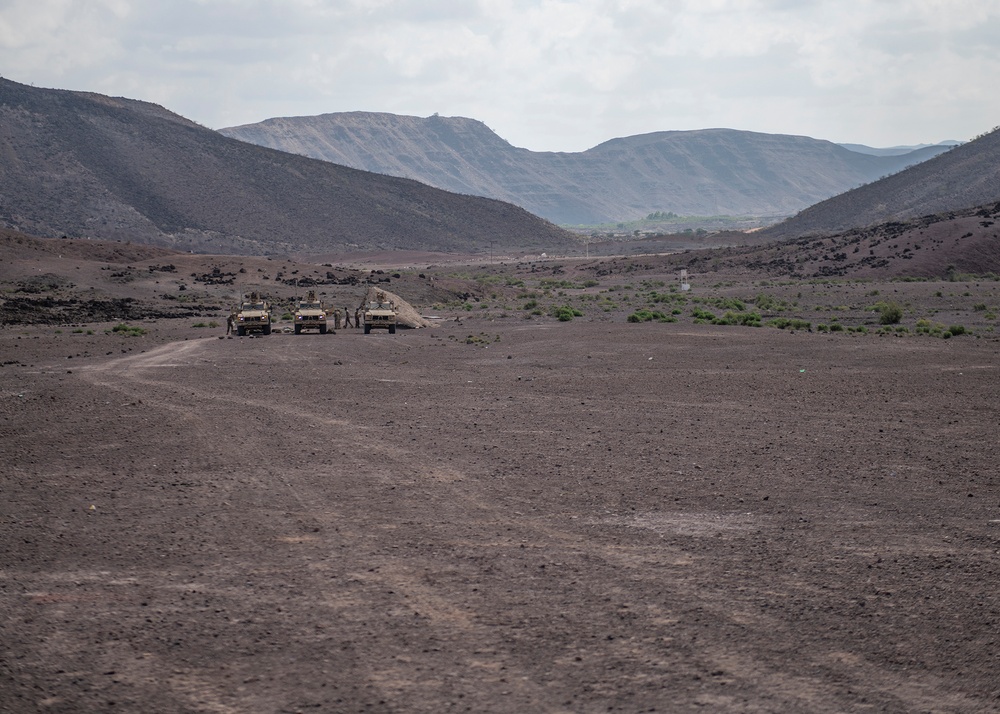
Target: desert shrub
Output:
{"points": [[836, 327], [128, 330], [890, 313], [645, 315], [747, 319], [979, 307], [765, 301], [956, 330], [655, 297], [531, 305], [822, 327], [727, 303], [789, 322], [565, 313], [200, 324], [701, 315]]}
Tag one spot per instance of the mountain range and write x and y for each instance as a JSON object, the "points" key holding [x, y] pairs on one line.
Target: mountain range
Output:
{"points": [[709, 172], [965, 177], [87, 165]]}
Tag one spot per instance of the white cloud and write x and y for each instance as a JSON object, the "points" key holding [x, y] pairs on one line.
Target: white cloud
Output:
{"points": [[546, 74]]}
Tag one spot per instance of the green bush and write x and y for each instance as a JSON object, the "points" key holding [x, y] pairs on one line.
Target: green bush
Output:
{"points": [[788, 322], [701, 315], [956, 330], [748, 319], [128, 330], [645, 315], [565, 313], [890, 313]]}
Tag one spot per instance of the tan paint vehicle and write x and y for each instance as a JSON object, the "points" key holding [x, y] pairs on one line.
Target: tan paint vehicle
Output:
{"points": [[310, 315], [252, 316], [380, 314]]}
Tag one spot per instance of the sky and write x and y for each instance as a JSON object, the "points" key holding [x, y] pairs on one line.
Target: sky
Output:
{"points": [[547, 75]]}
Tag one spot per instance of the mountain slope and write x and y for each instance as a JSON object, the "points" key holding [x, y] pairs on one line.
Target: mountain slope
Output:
{"points": [[964, 177], [83, 164], [707, 172]]}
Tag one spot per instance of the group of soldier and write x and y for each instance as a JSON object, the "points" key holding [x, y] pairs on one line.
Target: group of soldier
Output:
{"points": [[344, 318]]}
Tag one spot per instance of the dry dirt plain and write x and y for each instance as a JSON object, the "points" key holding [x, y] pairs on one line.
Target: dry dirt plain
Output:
{"points": [[502, 513], [554, 517]]}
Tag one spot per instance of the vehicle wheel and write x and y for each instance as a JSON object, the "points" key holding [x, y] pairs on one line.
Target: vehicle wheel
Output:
{"points": [[322, 329], [392, 329], [298, 329], [241, 331], [267, 329], [368, 329]]}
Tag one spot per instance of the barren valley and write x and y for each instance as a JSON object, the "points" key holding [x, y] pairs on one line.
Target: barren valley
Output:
{"points": [[505, 512]]}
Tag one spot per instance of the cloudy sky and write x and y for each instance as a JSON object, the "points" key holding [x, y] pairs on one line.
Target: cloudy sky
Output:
{"points": [[548, 75]]}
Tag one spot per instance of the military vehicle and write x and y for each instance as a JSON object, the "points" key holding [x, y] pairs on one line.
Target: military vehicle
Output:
{"points": [[253, 315], [310, 315], [380, 314]]}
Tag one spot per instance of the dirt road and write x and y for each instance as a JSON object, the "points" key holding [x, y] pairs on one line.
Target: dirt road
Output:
{"points": [[507, 517]]}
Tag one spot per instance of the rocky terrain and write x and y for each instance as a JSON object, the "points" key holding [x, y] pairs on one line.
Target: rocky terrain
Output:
{"points": [[691, 173], [585, 489]]}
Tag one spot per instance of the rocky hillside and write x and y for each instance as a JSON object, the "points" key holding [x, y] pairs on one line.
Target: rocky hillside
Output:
{"points": [[703, 173], [87, 165], [966, 176]]}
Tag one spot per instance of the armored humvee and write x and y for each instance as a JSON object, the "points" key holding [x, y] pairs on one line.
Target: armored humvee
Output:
{"points": [[252, 315], [310, 315], [380, 314]]}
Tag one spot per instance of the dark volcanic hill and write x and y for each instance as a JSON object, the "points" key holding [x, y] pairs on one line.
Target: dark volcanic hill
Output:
{"points": [[88, 165], [966, 176], [704, 173]]}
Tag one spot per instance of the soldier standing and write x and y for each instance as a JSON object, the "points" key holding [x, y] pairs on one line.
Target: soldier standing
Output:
{"points": [[336, 319], [347, 318], [357, 317]]}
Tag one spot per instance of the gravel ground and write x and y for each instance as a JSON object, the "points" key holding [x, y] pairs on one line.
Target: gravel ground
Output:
{"points": [[501, 515]]}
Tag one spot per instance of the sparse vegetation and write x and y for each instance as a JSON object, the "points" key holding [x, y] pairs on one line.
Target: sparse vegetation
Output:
{"points": [[645, 315], [128, 330], [783, 323]]}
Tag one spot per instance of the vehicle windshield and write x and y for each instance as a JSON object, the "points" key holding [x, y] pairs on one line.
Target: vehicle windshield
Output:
{"points": [[253, 306], [309, 305]]}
